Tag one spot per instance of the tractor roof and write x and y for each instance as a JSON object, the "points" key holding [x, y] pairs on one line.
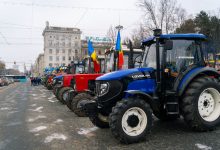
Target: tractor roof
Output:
{"points": [[175, 36]]}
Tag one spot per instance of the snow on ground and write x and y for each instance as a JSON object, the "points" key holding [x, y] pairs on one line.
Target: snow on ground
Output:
{"points": [[58, 121], [203, 147], [37, 129], [38, 109], [36, 118], [56, 136]]}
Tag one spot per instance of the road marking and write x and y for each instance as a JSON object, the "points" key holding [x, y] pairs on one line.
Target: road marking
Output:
{"points": [[37, 129], [203, 147], [53, 136]]}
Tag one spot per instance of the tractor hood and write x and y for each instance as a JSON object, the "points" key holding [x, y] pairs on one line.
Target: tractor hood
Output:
{"points": [[58, 77], [117, 75]]}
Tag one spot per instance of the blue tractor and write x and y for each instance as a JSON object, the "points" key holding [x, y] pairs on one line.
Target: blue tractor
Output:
{"points": [[173, 81]]}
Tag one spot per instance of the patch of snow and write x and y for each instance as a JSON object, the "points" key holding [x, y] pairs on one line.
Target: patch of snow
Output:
{"points": [[34, 94], [58, 121], [203, 147], [37, 129], [36, 118], [38, 109], [53, 136], [4, 108], [51, 101], [11, 112], [33, 105], [84, 131], [52, 97]]}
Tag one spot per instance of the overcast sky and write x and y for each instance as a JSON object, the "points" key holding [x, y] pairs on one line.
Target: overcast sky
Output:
{"points": [[22, 21]]}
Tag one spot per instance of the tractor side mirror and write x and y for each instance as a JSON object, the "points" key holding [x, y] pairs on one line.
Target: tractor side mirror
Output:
{"points": [[168, 45]]}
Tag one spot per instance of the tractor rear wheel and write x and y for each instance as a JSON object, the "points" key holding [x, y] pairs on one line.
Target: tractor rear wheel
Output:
{"points": [[63, 93], [201, 104], [131, 120], [76, 103]]}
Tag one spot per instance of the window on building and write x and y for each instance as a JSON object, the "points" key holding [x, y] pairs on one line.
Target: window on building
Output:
{"points": [[50, 64], [50, 58], [50, 36], [76, 44], [57, 58], [57, 51], [73, 58], [50, 51], [57, 44], [69, 51], [69, 57], [50, 43], [63, 43], [63, 51], [69, 44], [63, 58], [76, 37], [64, 64], [76, 51], [99, 52]]}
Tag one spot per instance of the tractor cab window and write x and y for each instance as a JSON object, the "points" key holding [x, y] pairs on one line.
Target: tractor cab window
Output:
{"points": [[185, 53], [149, 56]]}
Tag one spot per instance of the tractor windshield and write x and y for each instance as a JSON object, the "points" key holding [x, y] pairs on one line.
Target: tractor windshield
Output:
{"points": [[149, 59]]}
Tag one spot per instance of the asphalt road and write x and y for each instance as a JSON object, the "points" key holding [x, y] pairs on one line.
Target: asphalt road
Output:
{"points": [[32, 118]]}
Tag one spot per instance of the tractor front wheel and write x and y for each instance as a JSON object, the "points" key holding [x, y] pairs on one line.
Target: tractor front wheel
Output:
{"points": [[76, 103], [201, 104], [131, 120], [62, 95]]}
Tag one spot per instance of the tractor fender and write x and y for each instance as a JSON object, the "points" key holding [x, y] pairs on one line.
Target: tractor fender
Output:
{"points": [[146, 97], [186, 80], [89, 92]]}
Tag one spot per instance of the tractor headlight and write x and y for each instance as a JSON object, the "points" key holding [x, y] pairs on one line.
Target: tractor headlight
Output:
{"points": [[104, 87]]}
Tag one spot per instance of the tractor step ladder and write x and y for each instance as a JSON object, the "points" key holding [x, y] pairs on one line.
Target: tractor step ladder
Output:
{"points": [[172, 105]]}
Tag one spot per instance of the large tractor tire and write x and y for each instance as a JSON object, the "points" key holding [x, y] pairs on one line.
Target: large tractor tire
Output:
{"points": [[76, 103], [99, 120], [201, 104], [69, 101], [62, 93], [131, 120]]}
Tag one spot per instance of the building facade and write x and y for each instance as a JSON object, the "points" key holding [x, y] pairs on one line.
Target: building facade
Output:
{"points": [[39, 65], [61, 45]]}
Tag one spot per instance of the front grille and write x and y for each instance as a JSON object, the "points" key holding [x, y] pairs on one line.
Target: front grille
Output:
{"points": [[97, 88]]}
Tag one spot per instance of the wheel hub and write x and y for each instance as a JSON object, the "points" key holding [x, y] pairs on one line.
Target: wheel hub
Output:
{"points": [[208, 104], [133, 121]]}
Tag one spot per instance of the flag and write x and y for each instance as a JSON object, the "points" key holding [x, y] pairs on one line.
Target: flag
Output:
{"points": [[93, 55], [120, 52]]}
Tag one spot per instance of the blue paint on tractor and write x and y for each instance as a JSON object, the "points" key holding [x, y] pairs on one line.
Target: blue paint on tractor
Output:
{"points": [[146, 85], [117, 75], [187, 76]]}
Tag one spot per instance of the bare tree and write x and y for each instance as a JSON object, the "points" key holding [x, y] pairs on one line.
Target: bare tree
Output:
{"points": [[111, 33], [164, 14]]}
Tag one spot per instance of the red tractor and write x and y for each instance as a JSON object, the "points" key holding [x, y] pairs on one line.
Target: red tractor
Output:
{"points": [[83, 85]]}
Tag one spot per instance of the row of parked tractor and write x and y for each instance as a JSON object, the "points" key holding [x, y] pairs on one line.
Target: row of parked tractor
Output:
{"points": [[169, 78]]}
